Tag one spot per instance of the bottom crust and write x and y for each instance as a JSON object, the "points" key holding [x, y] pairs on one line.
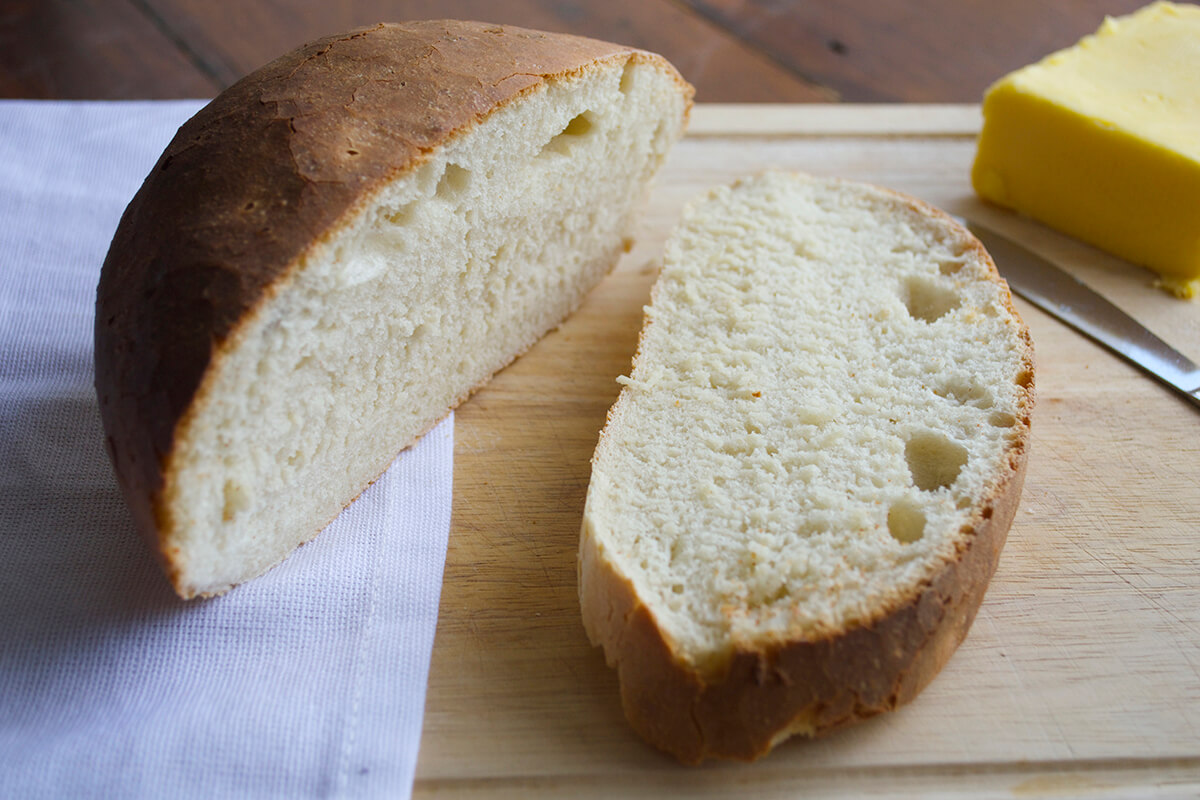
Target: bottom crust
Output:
{"points": [[766, 695]]}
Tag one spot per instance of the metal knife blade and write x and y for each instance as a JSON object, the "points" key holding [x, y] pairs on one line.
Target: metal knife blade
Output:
{"points": [[1070, 300]]}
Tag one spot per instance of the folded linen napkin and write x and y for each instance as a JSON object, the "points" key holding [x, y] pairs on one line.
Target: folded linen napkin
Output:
{"points": [[308, 681]]}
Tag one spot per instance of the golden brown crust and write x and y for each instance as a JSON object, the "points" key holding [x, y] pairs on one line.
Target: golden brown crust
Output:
{"points": [[274, 164], [769, 692]]}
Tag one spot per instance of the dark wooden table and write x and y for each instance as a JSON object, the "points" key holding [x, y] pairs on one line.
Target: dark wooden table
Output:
{"points": [[922, 51]]}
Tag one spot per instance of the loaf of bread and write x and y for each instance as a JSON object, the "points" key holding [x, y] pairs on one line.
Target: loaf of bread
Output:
{"points": [[803, 489], [338, 249]]}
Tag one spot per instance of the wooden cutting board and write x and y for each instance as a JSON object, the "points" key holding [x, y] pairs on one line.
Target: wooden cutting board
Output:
{"points": [[1081, 675]]}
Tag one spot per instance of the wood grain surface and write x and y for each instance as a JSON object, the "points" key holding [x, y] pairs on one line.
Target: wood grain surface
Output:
{"points": [[917, 52], [1081, 676], [732, 50]]}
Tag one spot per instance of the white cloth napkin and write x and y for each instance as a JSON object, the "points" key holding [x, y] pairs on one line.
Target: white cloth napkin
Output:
{"points": [[307, 682]]}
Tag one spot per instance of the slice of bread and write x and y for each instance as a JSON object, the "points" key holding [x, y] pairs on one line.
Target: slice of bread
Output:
{"points": [[803, 489], [338, 249]]}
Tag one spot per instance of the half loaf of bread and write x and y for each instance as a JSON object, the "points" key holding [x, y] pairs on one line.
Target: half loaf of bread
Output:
{"points": [[338, 249], [803, 489]]}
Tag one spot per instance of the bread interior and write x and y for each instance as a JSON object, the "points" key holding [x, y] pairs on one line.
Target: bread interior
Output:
{"points": [[827, 390], [432, 286]]}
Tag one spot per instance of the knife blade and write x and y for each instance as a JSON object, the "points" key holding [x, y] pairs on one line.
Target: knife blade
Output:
{"points": [[1068, 299]]}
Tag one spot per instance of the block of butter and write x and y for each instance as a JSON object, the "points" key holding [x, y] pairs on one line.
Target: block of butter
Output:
{"points": [[1102, 141]]}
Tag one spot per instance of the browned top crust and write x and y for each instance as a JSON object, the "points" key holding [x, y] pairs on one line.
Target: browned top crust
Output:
{"points": [[270, 166]]}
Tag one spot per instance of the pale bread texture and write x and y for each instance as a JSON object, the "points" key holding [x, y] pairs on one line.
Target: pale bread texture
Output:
{"points": [[828, 416], [438, 282], [435, 278]]}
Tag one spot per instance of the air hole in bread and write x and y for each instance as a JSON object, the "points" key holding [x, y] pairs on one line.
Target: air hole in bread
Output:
{"points": [[579, 127], [805, 248], [427, 177], [951, 266], [766, 599], [1002, 419], [741, 446], [934, 460], [965, 390], [627, 77], [906, 522], [676, 550], [454, 182], [235, 499], [927, 300], [400, 216]]}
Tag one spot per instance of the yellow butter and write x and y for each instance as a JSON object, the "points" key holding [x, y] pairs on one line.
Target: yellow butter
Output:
{"points": [[1102, 141]]}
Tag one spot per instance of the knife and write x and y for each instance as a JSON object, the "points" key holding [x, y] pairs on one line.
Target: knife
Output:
{"points": [[1073, 302]]}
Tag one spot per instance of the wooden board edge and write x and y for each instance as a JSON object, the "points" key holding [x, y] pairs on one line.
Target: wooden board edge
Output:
{"points": [[834, 119]]}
